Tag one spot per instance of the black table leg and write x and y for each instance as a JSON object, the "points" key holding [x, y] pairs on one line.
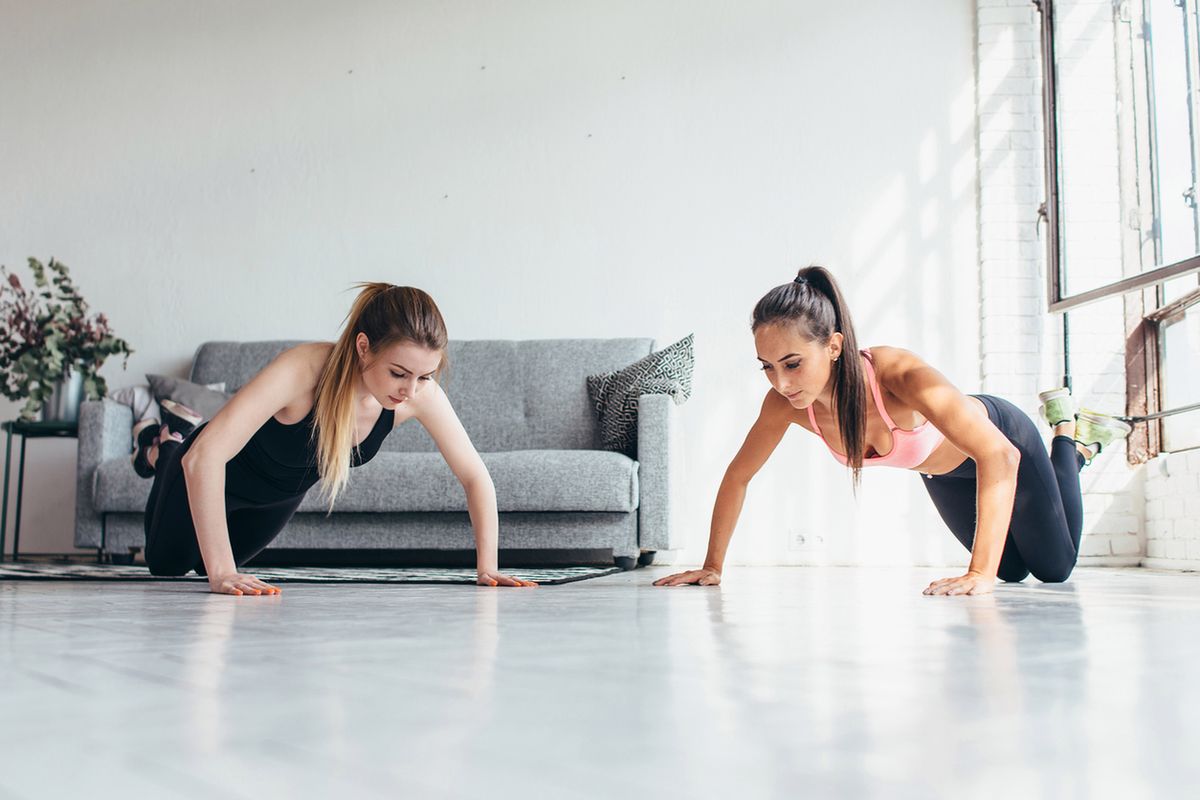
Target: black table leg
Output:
{"points": [[20, 494], [4, 513]]}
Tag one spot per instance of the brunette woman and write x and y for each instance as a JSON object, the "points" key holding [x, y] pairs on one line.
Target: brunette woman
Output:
{"points": [[1016, 507]]}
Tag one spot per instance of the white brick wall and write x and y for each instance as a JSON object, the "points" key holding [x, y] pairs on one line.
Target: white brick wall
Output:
{"points": [[1172, 499], [1012, 296], [1021, 345]]}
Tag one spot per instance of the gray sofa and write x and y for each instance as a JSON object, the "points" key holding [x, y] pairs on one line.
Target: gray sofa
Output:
{"points": [[526, 407]]}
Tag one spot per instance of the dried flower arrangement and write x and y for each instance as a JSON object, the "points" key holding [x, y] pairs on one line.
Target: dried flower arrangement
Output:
{"points": [[47, 334]]}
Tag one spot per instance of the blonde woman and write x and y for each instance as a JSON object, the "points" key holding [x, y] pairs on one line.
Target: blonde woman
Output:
{"points": [[316, 411]]}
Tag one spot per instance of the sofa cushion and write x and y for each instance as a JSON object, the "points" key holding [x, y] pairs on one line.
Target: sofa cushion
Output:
{"points": [[526, 480], [510, 395]]}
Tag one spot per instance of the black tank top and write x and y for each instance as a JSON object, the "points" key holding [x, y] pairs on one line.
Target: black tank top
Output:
{"points": [[280, 461]]}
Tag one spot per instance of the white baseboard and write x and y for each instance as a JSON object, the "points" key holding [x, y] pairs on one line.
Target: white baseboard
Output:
{"points": [[1109, 561], [1177, 564]]}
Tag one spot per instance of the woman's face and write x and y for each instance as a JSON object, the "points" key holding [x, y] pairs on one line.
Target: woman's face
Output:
{"points": [[398, 372], [799, 368]]}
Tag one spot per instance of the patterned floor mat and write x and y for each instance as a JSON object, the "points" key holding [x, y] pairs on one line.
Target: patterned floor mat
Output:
{"points": [[109, 572]]}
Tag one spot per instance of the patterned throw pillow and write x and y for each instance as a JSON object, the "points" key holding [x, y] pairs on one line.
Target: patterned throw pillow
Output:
{"points": [[614, 395]]}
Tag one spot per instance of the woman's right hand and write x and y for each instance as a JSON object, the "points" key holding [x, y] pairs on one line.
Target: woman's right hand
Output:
{"points": [[700, 577], [238, 584]]}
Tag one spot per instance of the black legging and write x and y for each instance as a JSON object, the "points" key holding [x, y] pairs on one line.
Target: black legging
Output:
{"points": [[1047, 518], [171, 545]]}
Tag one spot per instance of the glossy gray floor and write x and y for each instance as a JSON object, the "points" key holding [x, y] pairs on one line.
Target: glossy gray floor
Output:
{"points": [[784, 682]]}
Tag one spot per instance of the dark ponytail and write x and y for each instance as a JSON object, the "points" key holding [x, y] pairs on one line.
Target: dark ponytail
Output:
{"points": [[814, 303]]}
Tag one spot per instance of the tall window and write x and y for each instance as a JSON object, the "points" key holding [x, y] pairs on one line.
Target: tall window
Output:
{"points": [[1174, 80], [1123, 156]]}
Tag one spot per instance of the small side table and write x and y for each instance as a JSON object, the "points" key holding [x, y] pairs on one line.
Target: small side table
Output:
{"points": [[26, 430]]}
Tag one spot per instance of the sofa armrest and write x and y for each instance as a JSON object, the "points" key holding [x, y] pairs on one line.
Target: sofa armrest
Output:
{"points": [[105, 428], [659, 464]]}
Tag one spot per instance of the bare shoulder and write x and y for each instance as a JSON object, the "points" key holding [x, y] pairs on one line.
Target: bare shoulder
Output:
{"points": [[299, 368], [426, 405], [778, 412], [775, 404], [907, 376], [895, 365], [283, 388], [310, 356], [886, 357], [302, 364]]}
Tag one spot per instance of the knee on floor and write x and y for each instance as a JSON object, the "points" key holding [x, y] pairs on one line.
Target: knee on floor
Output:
{"points": [[1013, 576], [1055, 575], [167, 570]]}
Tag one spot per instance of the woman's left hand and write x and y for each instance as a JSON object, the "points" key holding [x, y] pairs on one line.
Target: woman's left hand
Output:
{"points": [[971, 583], [493, 578]]}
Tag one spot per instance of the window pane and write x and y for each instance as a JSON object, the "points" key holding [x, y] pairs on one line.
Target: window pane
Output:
{"points": [[1172, 131], [1180, 379], [1088, 145], [1178, 287], [1096, 53]]}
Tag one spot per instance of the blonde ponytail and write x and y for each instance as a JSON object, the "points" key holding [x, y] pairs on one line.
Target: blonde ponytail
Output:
{"points": [[387, 314]]}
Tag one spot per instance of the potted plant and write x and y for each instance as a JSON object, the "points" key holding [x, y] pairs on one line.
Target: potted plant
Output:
{"points": [[51, 348]]}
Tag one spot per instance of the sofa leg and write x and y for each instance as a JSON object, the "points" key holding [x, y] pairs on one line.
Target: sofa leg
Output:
{"points": [[646, 558], [625, 562]]}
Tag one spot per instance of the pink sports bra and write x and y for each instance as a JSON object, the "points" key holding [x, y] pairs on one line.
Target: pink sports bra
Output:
{"points": [[909, 448]]}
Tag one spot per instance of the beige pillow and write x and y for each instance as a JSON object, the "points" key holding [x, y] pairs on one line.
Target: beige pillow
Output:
{"points": [[205, 400]]}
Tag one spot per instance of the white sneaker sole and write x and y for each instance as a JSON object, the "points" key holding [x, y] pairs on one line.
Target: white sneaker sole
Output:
{"points": [[1105, 421]]}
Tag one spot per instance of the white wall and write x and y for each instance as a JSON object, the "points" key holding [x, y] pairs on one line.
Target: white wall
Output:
{"points": [[544, 169]]}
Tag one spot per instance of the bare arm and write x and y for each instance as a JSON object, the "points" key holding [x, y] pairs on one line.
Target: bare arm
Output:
{"points": [[289, 379], [433, 410], [996, 459], [761, 441]]}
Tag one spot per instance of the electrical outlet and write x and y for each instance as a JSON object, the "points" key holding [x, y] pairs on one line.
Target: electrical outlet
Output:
{"points": [[804, 540]]}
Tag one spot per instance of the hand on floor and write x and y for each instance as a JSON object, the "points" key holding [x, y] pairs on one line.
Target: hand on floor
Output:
{"points": [[239, 584], [971, 583], [700, 577], [491, 578]]}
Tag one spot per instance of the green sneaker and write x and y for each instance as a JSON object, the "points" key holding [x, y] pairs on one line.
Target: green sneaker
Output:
{"points": [[1057, 406], [1097, 430]]}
